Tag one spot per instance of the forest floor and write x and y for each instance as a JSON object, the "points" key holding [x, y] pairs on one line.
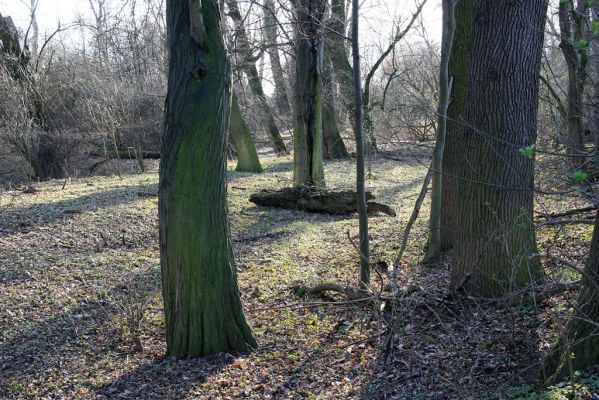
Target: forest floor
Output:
{"points": [[80, 293]]}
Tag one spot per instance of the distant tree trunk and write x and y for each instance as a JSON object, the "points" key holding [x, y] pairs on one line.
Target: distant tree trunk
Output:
{"points": [[579, 348], [336, 46], [203, 312], [270, 35], [572, 19], [359, 134], [458, 68], [595, 68], [308, 168], [245, 147], [248, 65], [434, 239], [495, 241], [333, 142]]}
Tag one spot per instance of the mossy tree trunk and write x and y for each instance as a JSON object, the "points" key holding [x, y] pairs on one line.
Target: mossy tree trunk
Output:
{"points": [[243, 142], [495, 242], [278, 77], [248, 65], [203, 311], [308, 168], [579, 348], [458, 69], [334, 147]]}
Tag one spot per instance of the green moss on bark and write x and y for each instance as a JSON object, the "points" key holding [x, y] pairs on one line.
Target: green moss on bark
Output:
{"points": [[203, 312]]}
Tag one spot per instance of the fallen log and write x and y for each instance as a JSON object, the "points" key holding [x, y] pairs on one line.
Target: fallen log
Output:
{"points": [[317, 200], [350, 292]]}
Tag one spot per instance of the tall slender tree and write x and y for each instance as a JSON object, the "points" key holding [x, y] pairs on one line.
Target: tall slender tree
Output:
{"points": [[495, 241], [434, 239], [272, 47], [308, 168], [202, 306], [359, 134]]}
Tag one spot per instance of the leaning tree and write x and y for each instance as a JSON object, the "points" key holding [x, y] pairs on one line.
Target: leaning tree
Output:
{"points": [[494, 241], [202, 307], [578, 348]]}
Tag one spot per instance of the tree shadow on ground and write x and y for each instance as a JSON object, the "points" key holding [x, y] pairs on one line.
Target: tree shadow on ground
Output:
{"points": [[76, 336], [166, 378], [27, 218], [460, 348]]}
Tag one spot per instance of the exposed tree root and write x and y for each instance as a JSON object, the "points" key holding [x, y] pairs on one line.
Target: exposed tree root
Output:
{"points": [[317, 200]]}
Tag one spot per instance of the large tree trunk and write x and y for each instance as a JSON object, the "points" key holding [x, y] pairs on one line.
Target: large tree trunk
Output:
{"points": [[495, 241], [248, 65], [243, 142], [434, 238], [459, 69], [202, 307], [308, 168], [579, 348], [333, 142], [278, 77]]}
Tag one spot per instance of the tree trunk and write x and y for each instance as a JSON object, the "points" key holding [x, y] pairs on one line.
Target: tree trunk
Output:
{"points": [[203, 312], [336, 45], [245, 147], [434, 239], [495, 240], [571, 21], [333, 142], [458, 69], [308, 168], [248, 65], [359, 134], [579, 348], [595, 69], [270, 35]]}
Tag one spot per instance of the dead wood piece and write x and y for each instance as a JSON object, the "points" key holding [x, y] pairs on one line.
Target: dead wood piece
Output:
{"points": [[569, 212], [538, 294], [316, 200], [350, 292], [374, 207]]}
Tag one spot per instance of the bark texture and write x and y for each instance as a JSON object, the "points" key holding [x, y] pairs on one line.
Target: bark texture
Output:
{"points": [[243, 142], [458, 69], [495, 242], [579, 348], [203, 311], [308, 167]]}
